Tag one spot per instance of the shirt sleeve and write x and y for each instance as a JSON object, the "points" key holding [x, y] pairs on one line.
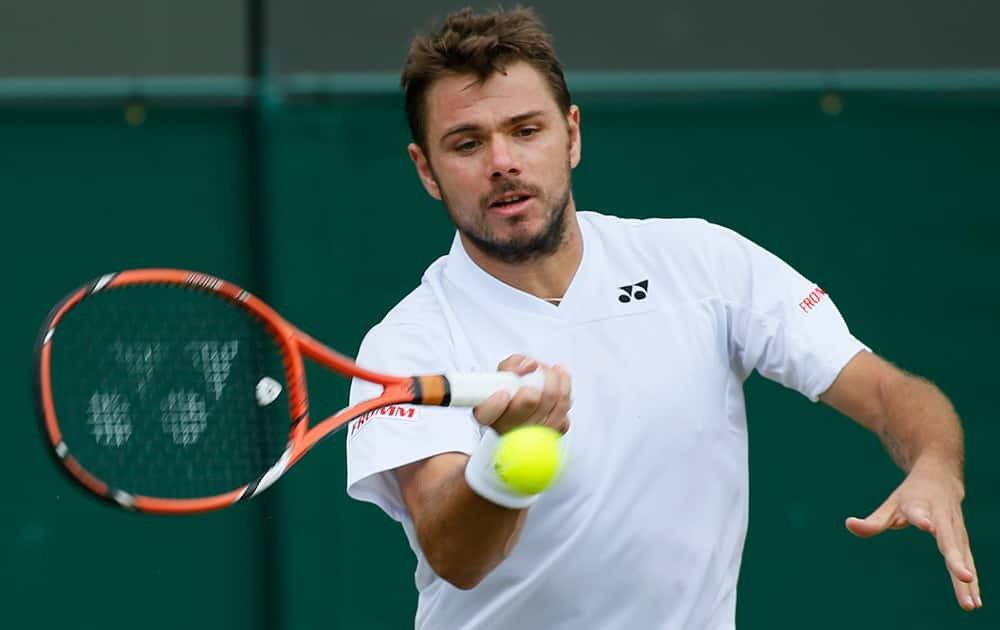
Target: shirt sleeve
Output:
{"points": [[779, 323], [393, 436]]}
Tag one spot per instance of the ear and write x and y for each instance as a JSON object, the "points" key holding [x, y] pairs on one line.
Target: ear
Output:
{"points": [[423, 165], [575, 142]]}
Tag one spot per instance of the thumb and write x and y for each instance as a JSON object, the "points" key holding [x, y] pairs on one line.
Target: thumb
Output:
{"points": [[886, 516]]}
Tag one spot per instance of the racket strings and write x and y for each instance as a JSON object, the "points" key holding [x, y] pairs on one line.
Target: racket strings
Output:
{"points": [[154, 390]]}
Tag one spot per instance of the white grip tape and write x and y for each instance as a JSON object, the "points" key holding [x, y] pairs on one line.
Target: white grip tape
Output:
{"points": [[469, 389], [481, 475]]}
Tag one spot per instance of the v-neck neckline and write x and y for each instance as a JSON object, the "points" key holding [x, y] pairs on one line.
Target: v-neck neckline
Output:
{"points": [[466, 274]]}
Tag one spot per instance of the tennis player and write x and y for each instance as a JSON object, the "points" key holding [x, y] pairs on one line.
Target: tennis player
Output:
{"points": [[659, 322]]}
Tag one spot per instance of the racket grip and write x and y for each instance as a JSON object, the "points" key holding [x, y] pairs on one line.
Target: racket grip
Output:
{"points": [[470, 389]]}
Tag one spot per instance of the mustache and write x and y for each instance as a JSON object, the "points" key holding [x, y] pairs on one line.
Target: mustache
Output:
{"points": [[509, 186]]}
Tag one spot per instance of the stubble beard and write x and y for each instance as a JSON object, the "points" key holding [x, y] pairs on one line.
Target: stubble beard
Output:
{"points": [[521, 247]]}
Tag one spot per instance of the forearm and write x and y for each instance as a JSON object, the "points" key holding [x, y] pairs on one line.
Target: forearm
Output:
{"points": [[462, 535], [919, 422]]}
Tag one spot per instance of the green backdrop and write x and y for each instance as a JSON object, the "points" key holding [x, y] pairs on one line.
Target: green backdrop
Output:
{"points": [[891, 205]]}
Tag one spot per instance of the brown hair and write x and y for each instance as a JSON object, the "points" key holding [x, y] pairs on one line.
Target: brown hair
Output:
{"points": [[478, 44]]}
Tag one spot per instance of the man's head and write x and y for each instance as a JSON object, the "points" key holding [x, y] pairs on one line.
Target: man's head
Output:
{"points": [[495, 136], [479, 45]]}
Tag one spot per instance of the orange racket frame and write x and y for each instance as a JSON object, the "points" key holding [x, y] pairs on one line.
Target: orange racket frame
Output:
{"points": [[423, 390]]}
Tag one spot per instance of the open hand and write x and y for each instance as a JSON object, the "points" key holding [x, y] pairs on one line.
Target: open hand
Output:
{"points": [[930, 499]]}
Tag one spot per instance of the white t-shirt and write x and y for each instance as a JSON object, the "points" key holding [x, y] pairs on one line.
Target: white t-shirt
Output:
{"points": [[662, 323]]}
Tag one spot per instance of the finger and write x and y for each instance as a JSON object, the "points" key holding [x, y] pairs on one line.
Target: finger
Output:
{"points": [[953, 544], [954, 547], [887, 515], [974, 590], [547, 399], [558, 417], [488, 411], [967, 594], [521, 364], [955, 561], [963, 593], [970, 562], [523, 406], [511, 362]]}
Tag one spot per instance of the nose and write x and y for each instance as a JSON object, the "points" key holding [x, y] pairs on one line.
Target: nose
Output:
{"points": [[503, 162]]}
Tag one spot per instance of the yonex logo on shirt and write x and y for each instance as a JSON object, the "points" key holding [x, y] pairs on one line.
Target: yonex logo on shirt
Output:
{"points": [[637, 291]]}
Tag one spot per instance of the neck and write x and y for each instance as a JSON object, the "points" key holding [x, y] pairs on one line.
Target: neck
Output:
{"points": [[547, 277]]}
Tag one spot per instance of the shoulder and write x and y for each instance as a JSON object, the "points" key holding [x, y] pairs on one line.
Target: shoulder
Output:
{"points": [[417, 313], [689, 240], [413, 335], [419, 307], [688, 231], [696, 258]]}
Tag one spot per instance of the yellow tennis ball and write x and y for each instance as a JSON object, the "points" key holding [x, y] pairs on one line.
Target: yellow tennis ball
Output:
{"points": [[528, 458]]}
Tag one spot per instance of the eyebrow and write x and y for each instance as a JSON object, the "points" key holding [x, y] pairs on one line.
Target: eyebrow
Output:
{"points": [[513, 120]]}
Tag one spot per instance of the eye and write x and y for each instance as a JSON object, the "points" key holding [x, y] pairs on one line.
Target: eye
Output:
{"points": [[525, 132], [467, 146]]}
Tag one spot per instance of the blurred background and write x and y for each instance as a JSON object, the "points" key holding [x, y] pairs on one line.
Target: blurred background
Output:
{"points": [[264, 142]]}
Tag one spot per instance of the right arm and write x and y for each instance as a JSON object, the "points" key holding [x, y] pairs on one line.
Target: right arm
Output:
{"points": [[462, 535]]}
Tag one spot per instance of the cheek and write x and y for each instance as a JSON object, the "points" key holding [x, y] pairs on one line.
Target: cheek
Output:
{"points": [[559, 152], [458, 180]]}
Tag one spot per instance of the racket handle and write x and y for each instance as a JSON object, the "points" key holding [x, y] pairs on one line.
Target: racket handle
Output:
{"points": [[469, 389]]}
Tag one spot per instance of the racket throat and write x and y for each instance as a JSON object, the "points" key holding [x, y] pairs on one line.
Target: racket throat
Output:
{"points": [[272, 474]]}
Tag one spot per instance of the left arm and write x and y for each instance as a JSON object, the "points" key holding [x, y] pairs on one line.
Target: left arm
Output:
{"points": [[920, 429]]}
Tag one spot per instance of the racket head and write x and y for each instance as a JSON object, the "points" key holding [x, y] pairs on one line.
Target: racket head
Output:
{"points": [[169, 391]]}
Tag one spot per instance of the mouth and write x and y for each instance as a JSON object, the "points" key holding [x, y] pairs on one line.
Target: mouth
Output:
{"points": [[510, 204]]}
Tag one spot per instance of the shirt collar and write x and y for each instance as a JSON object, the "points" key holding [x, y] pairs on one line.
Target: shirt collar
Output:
{"points": [[462, 271]]}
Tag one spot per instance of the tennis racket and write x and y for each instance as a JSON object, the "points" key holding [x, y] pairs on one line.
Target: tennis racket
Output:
{"points": [[171, 391]]}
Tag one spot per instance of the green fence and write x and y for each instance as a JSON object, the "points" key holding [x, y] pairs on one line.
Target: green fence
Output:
{"points": [[883, 192]]}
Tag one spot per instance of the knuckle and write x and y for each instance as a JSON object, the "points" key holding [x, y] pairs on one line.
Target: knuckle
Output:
{"points": [[562, 406], [528, 398]]}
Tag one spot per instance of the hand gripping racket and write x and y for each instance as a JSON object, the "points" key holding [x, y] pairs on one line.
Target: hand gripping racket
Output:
{"points": [[173, 391]]}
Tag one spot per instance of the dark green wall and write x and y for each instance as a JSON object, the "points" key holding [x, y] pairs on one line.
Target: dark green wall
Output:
{"points": [[83, 194], [891, 206]]}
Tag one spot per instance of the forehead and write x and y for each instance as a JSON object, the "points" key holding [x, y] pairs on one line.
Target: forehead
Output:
{"points": [[462, 98]]}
